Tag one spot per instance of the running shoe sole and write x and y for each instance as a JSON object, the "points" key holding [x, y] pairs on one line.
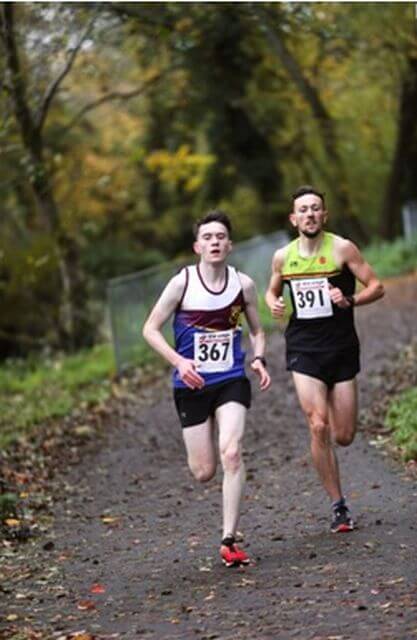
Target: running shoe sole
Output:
{"points": [[343, 528], [234, 563]]}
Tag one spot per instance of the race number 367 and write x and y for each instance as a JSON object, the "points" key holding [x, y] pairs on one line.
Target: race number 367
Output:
{"points": [[214, 351], [311, 298]]}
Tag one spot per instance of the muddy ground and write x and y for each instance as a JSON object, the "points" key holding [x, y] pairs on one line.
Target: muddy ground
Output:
{"points": [[129, 546]]}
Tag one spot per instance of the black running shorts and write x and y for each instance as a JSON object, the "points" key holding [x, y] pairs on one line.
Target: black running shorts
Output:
{"points": [[330, 367], [194, 406]]}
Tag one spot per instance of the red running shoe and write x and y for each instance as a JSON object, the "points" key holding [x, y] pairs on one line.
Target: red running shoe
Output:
{"points": [[231, 555]]}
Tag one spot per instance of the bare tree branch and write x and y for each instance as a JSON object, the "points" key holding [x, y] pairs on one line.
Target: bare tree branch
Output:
{"points": [[23, 113], [53, 87], [116, 95]]}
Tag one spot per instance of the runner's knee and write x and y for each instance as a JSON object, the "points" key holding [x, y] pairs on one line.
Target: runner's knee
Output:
{"points": [[203, 472], [231, 458], [319, 427]]}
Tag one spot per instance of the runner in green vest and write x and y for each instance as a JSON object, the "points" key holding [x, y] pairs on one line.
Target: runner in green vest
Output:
{"points": [[320, 270]]}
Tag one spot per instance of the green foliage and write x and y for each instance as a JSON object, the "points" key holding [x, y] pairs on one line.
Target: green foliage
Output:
{"points": [[34, 391], [193, 109], [181, 168], [28, 289], [8, 505], [402, 419], [393, 258]]}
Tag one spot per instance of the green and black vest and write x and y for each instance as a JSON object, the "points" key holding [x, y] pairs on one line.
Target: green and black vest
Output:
{"points": [[315, 323]]}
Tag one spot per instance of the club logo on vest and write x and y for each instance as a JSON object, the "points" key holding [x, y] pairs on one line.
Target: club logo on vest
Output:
{"points": [[234, 314]]}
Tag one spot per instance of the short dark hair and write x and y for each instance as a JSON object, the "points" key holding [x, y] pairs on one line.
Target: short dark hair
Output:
{"points": [[215, 215], [304, 190]]}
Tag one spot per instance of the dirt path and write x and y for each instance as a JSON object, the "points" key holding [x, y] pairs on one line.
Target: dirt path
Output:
{"points": [[135, 529]]}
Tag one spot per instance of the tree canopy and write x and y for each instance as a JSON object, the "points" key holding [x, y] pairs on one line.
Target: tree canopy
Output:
{"points": [[121, 123]]}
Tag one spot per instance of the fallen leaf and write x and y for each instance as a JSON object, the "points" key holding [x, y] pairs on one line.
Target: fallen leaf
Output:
{"points": [[84, 431], [246, 582], [86, 605], [98, 588], [12, 522], [109, 519], [395, 581], [48, 546]]}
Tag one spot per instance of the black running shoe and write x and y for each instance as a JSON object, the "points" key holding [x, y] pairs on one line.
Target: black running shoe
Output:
{"points": [[342, 520]]}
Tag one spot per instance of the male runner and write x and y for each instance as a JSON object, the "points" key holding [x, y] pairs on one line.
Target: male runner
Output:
{"points": [[319, 269], [209, 377]]}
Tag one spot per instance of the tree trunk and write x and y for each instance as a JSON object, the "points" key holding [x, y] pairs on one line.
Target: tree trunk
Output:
{"points": [[349, 223], [38, 177], [403, 155]]}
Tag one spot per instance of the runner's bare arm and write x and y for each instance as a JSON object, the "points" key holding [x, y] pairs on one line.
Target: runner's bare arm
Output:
{"points": [[372, 289], [161, 312], [256, 333], [273, 296]]}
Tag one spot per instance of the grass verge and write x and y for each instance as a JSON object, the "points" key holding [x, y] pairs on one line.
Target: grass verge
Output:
{"points": [[32, 391], [36, 390], [402, 420], [391, 259]]}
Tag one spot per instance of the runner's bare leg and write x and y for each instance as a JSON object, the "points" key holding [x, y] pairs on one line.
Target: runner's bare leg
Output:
{"points": [[231, 420], [201, 450], [343, 409], [313, 397]]}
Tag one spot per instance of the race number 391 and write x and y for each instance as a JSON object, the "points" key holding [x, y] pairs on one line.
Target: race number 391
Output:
{"points": [[311, 298]]}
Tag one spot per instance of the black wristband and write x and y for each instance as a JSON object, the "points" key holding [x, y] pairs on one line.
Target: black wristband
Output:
{"points": [[351, 300], [261, 358]]}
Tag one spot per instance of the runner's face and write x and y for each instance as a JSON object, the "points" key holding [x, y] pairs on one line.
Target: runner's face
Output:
{"points": [[213, 243], [308, 215]]}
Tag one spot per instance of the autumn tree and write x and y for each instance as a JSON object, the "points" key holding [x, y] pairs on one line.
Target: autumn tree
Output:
{"points": [[31, 115]]}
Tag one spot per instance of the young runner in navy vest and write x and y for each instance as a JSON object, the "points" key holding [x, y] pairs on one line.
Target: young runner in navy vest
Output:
{"points": [[210, 384]]}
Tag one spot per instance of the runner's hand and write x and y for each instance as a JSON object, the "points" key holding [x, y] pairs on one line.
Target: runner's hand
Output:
{"points": [[264, 377], [278, 308], [337, 297], [188, 374]]}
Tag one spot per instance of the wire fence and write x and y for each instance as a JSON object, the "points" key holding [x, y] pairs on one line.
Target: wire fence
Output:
{"points": [[409, 214], [131, 297]]}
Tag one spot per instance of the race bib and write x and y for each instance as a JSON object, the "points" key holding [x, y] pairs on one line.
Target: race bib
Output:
{"points": [[213, 351], [311, 298]]}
